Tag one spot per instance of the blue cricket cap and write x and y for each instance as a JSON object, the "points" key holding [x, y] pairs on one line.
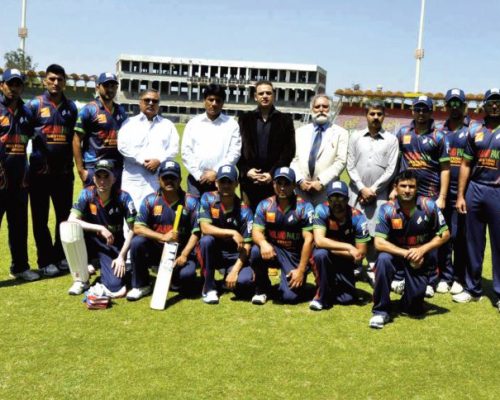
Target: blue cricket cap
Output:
{"points": [[423, 100], [491, 92], [12, 73], [227, 171], [285, 172], [455, 94], [170, 167], [337, 187], [106, 77]]}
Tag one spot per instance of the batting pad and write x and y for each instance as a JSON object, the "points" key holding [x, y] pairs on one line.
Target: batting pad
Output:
{"points": [[73, 244]]}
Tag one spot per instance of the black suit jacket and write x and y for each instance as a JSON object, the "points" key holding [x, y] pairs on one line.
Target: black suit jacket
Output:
{"points": [[281, 146]]}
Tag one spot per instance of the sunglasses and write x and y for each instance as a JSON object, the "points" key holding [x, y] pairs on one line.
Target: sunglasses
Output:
{"points": [[492, 103], [455, 104], [150, 101], [423, 110]]}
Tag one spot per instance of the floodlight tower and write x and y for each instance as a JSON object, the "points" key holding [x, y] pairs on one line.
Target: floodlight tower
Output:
{"points": [[419, 52], [23, 31]]}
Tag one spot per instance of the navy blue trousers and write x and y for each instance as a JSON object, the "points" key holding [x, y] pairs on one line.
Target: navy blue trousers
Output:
{"points": [[213, 255], [483, 209], [416, 281], [195, 188], [43, 188], [98, 249], [335, 280], [286, 261], [14, 203], [145, 253]]}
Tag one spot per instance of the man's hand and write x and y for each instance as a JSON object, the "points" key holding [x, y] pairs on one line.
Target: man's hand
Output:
{"points": [[461, 206], [254, 174], [83, 174], [366, 196], [180, 261], [305, 185], [232, 279], [441, 202], [118, 267], [107, 235], [265, 178], [295, 278], [171, 236], [356, 254], [152, 165], [316, 186], [267, 251], [415, 256], [238, 239], [393, 194], [208, 177]]}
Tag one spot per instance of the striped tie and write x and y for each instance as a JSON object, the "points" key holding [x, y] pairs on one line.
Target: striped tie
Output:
{"points": [[313, 155]]}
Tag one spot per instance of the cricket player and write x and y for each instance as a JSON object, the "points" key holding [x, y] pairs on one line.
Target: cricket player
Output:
{"points": [[479, 198], [283, 237], [101, 210], [341, 236], [51, 167], [16, 128], [96, 131], [226, 224], [153, 228], [409, 230], [424, 150]]}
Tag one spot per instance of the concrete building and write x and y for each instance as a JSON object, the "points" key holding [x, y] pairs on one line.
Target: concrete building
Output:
{"points": [[180, 82]]}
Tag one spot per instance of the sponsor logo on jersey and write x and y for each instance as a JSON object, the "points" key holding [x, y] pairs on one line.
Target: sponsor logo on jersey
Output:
{"points": [[397, 223], [270, 217], [214, 212], [93, 209], [101, 119], [45, 112], [479, 136], [332, 225], [406, 139], [4, 120], [157, 210]]}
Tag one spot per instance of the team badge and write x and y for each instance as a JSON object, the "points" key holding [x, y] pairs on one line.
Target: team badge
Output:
{"points": [[397, 223], [419, 220], [214, 212], [406, 139], [4, 120], [270, 217], [101, 119], [332, 225], [157, 210], [479, 136], [45, 112], [93, 209]]}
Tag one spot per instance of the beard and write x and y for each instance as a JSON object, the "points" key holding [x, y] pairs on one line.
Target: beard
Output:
{"points": [[321, 118]]}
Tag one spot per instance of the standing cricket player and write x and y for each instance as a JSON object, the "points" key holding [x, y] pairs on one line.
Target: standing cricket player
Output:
{"points": [[153, 228]]}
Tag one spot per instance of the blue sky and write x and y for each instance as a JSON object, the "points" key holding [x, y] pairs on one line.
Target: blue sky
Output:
{"points": [[356, 41]]}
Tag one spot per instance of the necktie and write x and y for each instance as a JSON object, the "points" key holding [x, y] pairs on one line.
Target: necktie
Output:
{"points": [[313, 155]]}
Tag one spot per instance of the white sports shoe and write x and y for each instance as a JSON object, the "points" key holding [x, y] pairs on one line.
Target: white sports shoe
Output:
{"points": [[210, 297], [116, 295], [91, 269], [78, 288], [429, 291], [49, 270], [315, 305], [456, 288], [442, 287], [498, 305], [377, 321], [398, 287], [259, 299], [29, 275], [465, 297], [138, 293]]}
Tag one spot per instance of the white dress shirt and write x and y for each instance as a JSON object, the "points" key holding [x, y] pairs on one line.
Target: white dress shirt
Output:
{"points": [[138, 140], [207, 144]]}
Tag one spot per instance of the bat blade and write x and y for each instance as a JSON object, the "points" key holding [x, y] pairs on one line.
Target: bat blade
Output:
{"points": [[165, 270]]}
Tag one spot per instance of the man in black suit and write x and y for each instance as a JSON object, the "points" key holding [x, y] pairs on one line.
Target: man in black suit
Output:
{"points": [[268, 142]]}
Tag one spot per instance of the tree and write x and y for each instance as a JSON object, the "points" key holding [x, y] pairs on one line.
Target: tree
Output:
{"points": [[20, 60]]}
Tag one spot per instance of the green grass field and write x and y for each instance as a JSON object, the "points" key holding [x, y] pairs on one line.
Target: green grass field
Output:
{"points": [[52, 347]]}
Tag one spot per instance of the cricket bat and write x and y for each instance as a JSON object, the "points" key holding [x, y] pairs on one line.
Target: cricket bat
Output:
{"points": [[160, 292]]}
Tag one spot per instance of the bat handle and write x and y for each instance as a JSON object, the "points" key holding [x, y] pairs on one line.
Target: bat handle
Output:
{"points": [[178, 214]]}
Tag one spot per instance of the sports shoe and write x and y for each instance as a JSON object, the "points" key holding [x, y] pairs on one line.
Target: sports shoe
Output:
{"points": [[456, 288], [314, 305], [63, 265], [442, 287], [358, 271], [398, 287], [27, 275], [49, 270], [78, 288], [115, 295], [259, 299], [465, 297], [377, 321], [138, 293], [429, 291], [210, 297], [498, 305]]}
